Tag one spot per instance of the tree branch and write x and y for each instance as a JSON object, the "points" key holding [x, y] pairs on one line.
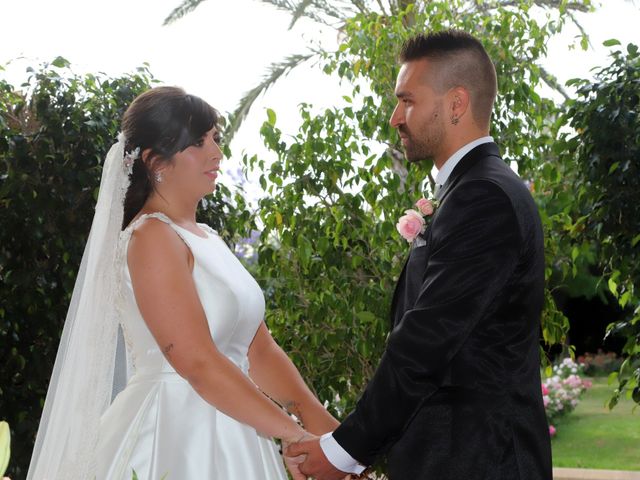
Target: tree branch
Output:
{"points": [[274, 73], [552, 82]]}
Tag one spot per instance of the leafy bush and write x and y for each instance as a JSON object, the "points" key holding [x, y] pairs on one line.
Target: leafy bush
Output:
{"points": [[54, 135], [605, 148]]}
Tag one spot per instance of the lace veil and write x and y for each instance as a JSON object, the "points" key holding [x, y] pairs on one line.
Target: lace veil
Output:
{"points": [[82, 382]]}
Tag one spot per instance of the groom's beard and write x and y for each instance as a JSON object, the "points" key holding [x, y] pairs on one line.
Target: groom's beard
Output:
{"points": [[426, 140]]}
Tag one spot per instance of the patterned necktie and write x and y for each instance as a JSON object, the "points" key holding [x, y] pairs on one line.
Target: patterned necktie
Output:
{"points": [[437, 191]]}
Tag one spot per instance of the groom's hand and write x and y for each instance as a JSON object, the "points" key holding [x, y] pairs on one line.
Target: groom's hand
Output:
{"points": [[315, 465]]}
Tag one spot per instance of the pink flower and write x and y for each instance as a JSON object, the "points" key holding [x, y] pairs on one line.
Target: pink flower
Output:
{"points": [[587, 383], [545, 390], [545, 401], [552, 430], [425, 206], [410, 225]]}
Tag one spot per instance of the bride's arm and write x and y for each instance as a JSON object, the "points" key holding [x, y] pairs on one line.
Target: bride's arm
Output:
{"points": [[159, 263], [277, 376]]}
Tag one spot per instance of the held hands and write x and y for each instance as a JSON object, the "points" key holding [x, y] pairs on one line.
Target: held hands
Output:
{"points": [[293, 462], [309, 460]]}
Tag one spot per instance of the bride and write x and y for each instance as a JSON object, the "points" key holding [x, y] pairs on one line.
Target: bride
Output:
{"points": [[203, 372]]}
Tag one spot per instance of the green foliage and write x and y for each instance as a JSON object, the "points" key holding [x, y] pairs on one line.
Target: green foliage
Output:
{"points": [[329, 252], [606, 116], [605, 154], [54, 135]]}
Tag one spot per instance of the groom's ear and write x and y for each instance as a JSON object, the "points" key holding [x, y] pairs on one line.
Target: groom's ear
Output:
{"points": [[458, 102]]}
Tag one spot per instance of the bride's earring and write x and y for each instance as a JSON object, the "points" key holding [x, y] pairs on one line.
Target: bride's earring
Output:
{"points": [[158, 177]]}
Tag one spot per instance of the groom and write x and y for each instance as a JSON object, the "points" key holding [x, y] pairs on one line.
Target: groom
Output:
{"points": [[457, 393]]}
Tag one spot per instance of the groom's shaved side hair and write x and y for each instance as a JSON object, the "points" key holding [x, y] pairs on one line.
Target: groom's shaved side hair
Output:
{"points": [[459, 60]]}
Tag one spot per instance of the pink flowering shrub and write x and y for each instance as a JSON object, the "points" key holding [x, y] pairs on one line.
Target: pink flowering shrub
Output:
{"points": [[562, 390]]}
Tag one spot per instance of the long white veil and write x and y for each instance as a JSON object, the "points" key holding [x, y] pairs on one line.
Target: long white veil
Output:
{"points": [[83, 375]]}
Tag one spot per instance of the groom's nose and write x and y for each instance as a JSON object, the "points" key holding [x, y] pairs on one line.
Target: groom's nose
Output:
{"points": [[397, 117]]}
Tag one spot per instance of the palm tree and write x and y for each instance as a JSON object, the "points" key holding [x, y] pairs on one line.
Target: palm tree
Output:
{"points": [[334, 13]]}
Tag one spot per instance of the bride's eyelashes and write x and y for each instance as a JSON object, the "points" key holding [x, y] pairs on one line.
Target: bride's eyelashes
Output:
{"points": [[217, 138]]}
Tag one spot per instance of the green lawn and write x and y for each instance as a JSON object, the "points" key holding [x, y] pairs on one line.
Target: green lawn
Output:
{"points": [[594, 437]]}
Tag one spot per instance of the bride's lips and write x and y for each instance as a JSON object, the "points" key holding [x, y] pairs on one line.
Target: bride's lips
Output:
{"points": [[212, 174]]}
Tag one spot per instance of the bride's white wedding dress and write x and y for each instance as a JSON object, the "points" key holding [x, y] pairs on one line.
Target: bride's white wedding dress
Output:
{"points": [[158, 425]]}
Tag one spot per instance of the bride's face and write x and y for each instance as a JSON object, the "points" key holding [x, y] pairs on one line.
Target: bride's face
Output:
{"points": [[196, 168]]}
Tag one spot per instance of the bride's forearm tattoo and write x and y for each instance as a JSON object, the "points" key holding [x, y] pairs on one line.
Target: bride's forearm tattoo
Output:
{"points": [[293, 407], [167, 349]]}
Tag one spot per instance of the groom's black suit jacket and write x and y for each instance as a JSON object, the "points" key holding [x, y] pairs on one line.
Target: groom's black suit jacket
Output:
{"points": [[457, 393]]}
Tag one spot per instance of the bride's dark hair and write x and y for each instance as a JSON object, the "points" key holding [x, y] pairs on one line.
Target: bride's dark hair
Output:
{"points": [[166, 120]]}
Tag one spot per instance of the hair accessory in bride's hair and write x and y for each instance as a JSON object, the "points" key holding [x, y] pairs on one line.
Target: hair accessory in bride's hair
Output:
{"points": [[129, 158]]}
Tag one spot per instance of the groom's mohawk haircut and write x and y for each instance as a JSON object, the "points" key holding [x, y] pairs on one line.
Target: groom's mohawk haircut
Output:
{"points": [[460, 60], [438, 44]]}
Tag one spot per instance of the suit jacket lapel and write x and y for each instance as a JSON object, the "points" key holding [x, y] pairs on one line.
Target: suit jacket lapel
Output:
{"points": [[481, 151], [397, 291]]}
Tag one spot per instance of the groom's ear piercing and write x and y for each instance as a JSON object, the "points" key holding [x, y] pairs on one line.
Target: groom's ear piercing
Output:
{"points": [[454, 120]]}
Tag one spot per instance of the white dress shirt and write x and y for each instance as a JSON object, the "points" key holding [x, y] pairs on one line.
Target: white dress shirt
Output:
{"points": [[334, 452]]}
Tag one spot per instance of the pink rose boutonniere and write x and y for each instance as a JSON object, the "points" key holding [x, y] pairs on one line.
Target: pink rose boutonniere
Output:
{"points": [[413, 222], [425, 206]]}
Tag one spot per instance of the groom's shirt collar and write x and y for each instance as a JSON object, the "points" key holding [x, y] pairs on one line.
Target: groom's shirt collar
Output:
{"points": [[450, 164]]}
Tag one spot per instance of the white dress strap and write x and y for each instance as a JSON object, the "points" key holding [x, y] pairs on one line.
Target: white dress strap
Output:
{"points": [[207, 228], [159, 216]]}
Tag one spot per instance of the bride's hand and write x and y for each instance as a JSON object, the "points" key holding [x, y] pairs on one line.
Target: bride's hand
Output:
{"points": [[293, 463]]}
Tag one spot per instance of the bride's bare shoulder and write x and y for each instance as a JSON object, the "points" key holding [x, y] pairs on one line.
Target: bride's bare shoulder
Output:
{"points": [[154, 239]]}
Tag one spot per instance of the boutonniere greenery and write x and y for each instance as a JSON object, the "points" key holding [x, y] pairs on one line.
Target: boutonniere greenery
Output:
{"points": [[414, 221]]}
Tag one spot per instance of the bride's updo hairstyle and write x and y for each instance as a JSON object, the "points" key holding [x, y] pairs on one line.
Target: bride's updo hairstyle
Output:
{"points": [[166, 120]]}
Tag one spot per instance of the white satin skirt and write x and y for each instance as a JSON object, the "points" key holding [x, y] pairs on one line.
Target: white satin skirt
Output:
{"points": [[161, 428]]}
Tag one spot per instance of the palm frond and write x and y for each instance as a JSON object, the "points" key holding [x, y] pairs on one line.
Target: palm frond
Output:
{"points": [[316, 10], [187, 6], [299, 11], [341, 11], [275, 72], [359, 5], [281, 4]]}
